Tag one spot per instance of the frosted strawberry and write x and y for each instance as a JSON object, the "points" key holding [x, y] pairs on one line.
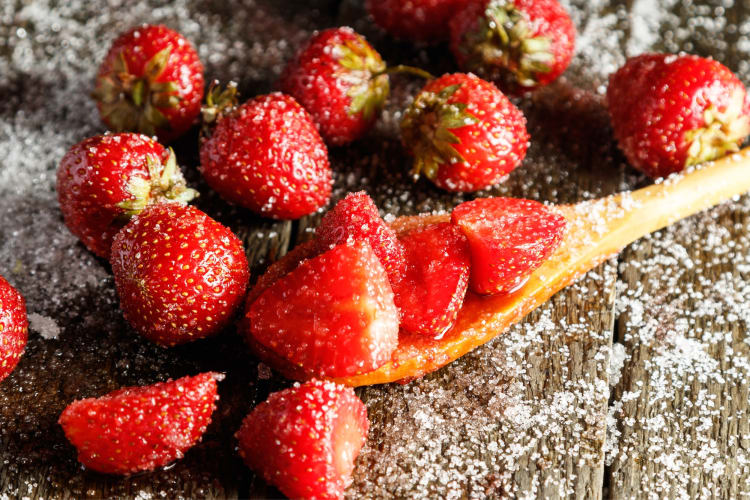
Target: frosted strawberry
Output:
{"points": [[151, 81], [141, 428], [266, 155], [331, 316], [103, 181], [464, 133], [304, 440], [14, 327], [180, 275], [509, 238], [669, 112], [420, 20], [340, 80]]}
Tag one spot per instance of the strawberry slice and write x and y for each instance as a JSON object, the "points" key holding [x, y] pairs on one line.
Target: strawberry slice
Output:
{"points": [[356, 216], [437, 274], [305, 439], [509, 238], [333, 315], [141, 428]]}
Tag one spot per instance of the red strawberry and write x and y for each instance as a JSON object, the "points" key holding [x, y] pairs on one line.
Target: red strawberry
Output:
{"points": [[151, 81], [180, 275], [333, 315], [433, 288], [420, 20], [267, 155], [509, 238], [522, 44], [104, 180], [669, 112], [357, 217], [333, 78], [141, 428], [14, 327], [464, 133], [305, 439]]}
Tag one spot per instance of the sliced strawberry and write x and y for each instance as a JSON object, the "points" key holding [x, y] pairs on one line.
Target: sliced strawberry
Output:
{"points": [[141, 428], [356, 216], [305, 439], [437, 274], [333, 315], [509, 238]]}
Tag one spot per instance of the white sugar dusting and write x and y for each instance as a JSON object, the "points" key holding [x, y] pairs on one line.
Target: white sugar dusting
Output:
{"points": [[44, 326]]}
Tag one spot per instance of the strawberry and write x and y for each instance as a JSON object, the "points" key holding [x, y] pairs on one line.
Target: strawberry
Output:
{"points": [[333, 315], [305, 439], [669, 112], [509, 238], [103, 181], [521, 44], [267, 155], [464, 133], [434, 285], [14, 327], [151, 81], [340, 79], [419, 20], [141, 428], [180, 275], [357, 217]]}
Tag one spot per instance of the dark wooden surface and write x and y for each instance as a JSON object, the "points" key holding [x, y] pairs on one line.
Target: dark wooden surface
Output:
{"points": [[543, 411]]}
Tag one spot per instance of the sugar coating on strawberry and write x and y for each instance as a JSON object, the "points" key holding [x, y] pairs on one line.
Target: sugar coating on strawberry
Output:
{"points": [[357, 217], [332, 316], [419, 20], [180, 275], [14, 327], [333, 77], [437, 275], [268, 156], [672, 111], [141, 428], [464, 133], [151, 81], [509, 238], [304, 440], [521, 44], [104, 180]]}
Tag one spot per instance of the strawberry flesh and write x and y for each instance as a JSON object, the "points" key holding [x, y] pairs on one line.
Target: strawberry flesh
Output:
{"points": [[14, 327]]}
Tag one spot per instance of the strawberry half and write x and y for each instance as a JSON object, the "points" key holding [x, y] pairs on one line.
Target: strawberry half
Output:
{"points": [[141, 428], [304, 440], [332, 316], [420, 20], [180, 275], [437, 275], [151, 81], [509, 238], [14, 327], [104, 180], [464, 133]]}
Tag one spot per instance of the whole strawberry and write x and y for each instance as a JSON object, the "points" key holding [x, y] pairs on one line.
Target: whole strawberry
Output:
{"points": [[179, 274], [141, 428], [151, 81], [464, 133], [103, 181], [672, 111], [419, 20], [14, 327], [338, 77], [521, 44], [267, 155], [304, 440]]}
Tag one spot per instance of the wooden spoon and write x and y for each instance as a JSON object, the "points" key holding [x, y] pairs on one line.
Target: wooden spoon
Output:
{"points": [[596, 230]]}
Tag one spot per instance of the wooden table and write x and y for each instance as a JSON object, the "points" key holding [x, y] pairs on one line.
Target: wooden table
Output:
{"points": [[633, 382]]}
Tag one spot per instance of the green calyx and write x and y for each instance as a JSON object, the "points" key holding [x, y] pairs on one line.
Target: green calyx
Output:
{"points": [[131, 103], [503, 47], [721, 134], [427, 130], [365, 70], [220, 101]]}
